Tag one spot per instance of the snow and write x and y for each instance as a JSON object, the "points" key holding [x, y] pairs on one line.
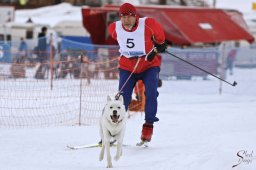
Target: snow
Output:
{"points": [[198, 129], [50, 15]]}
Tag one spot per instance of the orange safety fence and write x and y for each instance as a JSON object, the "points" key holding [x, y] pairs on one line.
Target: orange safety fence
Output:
{"points": [[74, 95]]}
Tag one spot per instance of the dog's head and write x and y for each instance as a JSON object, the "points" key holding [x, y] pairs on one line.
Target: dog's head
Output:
{"points": [[114, 110]]}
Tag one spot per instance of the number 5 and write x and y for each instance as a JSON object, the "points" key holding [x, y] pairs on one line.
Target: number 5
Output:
{"points": [[129, 43]]}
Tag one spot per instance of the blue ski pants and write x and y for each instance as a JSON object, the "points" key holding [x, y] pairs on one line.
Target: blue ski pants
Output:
{"points": [[150, 79]]}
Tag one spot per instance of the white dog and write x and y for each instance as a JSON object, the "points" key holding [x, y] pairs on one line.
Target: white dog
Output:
{"points": [[112, 126]]}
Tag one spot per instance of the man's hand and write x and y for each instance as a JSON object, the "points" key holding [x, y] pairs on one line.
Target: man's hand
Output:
{"points": [[161, 47], [151, 55]]}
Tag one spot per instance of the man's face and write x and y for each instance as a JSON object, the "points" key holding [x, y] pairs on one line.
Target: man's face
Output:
{"points": [[128, 21]]}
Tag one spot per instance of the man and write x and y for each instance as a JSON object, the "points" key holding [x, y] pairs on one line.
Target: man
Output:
{"points": [[230, 60], [140, 39], [42, 45], [42, 54], [23, 50]]}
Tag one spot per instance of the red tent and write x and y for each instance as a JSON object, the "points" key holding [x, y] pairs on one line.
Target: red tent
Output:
{"points": [[182, 26]]}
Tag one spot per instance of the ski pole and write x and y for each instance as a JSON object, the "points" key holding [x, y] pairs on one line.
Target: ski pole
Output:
{"points": [[232, 84]]}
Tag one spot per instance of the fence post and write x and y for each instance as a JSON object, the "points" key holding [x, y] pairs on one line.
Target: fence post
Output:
{"points": [[81, 87], [222, 66], [51, 61]]}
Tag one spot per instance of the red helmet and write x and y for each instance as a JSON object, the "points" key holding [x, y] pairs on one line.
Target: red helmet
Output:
{"points": [[127, 9]]}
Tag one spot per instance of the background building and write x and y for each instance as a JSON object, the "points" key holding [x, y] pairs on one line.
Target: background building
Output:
{"points": [[25, 4]]}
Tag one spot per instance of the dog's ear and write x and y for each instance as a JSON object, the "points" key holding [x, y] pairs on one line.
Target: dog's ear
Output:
{"points": [[121, 98], [108, 98]]}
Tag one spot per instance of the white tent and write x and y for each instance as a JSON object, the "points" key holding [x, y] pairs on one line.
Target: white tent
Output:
{"points": [[64, 18], [50, 15], [71, 28]]}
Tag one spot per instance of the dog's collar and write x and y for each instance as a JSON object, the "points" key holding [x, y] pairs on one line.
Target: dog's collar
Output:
{"points": [[115, 123], [111, 134]]}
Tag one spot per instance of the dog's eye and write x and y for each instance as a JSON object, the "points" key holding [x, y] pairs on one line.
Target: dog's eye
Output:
{"points": [[111, 107], [119, 107]]}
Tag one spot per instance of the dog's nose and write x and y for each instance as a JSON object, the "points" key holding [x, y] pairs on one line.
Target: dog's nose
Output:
{"points": [[114, 112]]}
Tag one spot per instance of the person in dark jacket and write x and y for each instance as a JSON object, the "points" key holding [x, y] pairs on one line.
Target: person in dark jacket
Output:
{"points": [[42, 45], [23, 51], [42, 54]]}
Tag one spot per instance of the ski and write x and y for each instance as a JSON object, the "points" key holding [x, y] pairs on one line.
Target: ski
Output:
{"points": [[142, 143], [95, 145], [84, 146], [92, 145]]}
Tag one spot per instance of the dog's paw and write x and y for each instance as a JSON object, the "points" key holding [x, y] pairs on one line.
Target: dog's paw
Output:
{"points": [[110, 166], [100, 157]]}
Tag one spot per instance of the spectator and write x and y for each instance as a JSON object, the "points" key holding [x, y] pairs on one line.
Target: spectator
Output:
{"points": [[230, 60], [42, 45], [23, 51]]}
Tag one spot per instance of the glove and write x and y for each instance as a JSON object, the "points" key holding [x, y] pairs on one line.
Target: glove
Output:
{"points": [[160, 83], [138, 97], [151, 55], [161, 47]]}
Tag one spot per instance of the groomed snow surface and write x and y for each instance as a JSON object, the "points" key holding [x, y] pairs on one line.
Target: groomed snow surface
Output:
{"points": [[199, 129]]}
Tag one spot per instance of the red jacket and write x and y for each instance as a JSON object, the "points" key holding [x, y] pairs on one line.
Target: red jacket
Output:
{"points": [[152, 29]]}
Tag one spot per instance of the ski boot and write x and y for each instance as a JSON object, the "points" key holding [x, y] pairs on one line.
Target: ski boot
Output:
{"points": [[147, 132]]}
